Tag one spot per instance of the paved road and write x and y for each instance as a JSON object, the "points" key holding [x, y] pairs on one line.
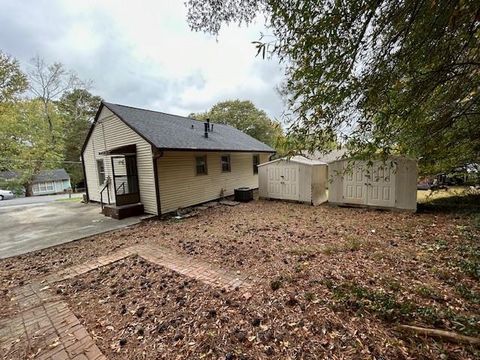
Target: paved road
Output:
{"points": [[35, 200], [28, 227]]}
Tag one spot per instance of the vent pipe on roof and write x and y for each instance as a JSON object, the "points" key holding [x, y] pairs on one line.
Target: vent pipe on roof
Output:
{"points": [[208, 123], [206, 130]]}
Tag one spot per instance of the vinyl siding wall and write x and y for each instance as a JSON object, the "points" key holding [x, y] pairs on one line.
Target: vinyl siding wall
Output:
{"points": [[181, 187], [110, 132]]}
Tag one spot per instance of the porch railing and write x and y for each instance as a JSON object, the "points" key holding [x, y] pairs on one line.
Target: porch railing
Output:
{"points": [[122, 185], [106, 187]]}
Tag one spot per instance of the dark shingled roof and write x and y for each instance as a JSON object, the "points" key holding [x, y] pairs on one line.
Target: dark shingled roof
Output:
{"points": [[51, 175], [42, 176], [8, 175], [173, 132]]}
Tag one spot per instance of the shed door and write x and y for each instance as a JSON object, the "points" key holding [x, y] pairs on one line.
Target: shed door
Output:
{"points": [[381, 184], [355, 184], [283, 182]]}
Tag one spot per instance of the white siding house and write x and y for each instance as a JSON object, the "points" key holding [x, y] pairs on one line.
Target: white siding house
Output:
{"points": [[108, 133], [165, 162]]}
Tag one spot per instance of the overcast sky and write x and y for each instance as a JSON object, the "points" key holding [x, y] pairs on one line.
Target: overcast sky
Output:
{"points": [[142, 53]]}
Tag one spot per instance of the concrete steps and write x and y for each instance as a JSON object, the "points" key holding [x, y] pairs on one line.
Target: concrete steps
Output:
{"points": [[123, 211]]}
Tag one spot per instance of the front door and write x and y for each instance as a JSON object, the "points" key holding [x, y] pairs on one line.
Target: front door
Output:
{"points": [[125, 179], [283, 182]]}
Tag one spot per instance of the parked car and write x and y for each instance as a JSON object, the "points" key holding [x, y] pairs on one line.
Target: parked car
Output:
{"points": [[6, 194], [424, 186]]}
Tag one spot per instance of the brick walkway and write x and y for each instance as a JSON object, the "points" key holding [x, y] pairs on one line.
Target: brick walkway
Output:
{"points": [[46, 328], [193, 268]]}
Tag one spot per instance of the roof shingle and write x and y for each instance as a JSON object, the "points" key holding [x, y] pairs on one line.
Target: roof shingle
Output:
{"points": [[42, 176], [173, 132]]}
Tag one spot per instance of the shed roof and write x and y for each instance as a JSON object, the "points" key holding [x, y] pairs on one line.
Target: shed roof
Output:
{"points": [[329, 157], [378, 158], [173, 132], [297, 159]]}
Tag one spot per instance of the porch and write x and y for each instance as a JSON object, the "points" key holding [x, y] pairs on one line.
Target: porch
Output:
{"points": [[120, 193]]}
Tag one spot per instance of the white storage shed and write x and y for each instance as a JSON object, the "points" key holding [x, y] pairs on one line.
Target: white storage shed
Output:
{"points": [[383, 184], [296, 178]]}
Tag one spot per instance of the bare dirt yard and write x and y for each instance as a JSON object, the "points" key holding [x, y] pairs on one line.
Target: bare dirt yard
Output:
{"points": [[332, 283]]}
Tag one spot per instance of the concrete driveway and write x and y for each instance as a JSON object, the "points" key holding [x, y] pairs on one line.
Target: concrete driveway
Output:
{"points": [[25, 228], [38, 199]]}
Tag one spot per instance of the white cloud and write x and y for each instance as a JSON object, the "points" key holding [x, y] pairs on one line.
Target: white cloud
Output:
{"points": [[143, 53]]}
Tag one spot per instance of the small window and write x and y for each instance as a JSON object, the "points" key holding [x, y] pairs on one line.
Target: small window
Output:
{"points": [[50, 186], [101, 171], [256, 162], [44, 187], [201, 165], [226, 163]]}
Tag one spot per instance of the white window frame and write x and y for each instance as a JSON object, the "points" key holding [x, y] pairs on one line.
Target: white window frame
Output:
{"points": [[228, 162], [100, 173], [205, 165], [255, 163]]}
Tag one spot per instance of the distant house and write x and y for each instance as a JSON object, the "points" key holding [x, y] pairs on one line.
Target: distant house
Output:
{"points": [[45, 182], [51, 182], [163, 162]]}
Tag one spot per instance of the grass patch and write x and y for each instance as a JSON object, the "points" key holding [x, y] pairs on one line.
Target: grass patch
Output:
{"points": [[470, 267], [455, 199], [276, 284], [393, 285], [330, 249], [468, 294], [73, 199], [469, 263], [306, 251], [445, 275], [388, 308], [309, 296], [362, 299], [426, 292], [351, 244]]}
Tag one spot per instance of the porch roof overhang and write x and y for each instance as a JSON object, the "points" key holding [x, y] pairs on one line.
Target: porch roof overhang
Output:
{"points": [[121, 150]]}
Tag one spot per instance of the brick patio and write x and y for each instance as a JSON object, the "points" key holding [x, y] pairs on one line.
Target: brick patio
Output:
{"points": [[46, 328]]}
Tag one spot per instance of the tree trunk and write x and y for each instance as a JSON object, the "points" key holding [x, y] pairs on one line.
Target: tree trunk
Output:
{"points": [[28, 189]]}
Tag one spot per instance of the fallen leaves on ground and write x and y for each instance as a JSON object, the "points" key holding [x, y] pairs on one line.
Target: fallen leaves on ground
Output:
{"points": [[333, 282]]}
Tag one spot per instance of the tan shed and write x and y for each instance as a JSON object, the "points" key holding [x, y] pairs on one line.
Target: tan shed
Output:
{"points": [[383, 184], [297, 178]]}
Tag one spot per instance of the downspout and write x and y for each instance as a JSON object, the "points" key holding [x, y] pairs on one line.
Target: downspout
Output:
{"points": [[155, 156], [85, 178]]}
